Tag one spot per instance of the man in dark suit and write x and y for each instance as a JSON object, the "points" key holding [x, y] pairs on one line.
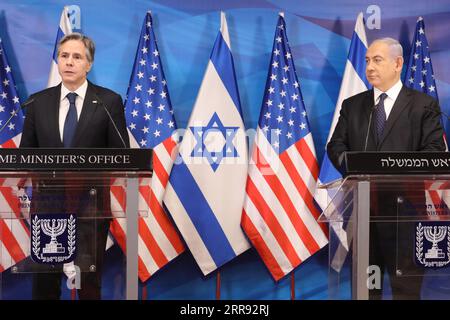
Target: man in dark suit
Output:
{"points": [[389, 117], [73, 115]]}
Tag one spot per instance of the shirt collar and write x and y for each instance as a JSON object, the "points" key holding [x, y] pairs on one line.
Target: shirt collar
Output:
{"points": [[392, 93], [81, 91]]}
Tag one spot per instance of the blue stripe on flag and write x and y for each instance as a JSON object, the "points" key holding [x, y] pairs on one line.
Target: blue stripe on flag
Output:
{"points": [[59, 36], [357, 57], [223, 62], [201, 214], [328, 172]]}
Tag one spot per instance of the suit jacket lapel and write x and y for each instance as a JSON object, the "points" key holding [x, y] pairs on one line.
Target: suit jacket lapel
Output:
{"points": [[399, 105], [87, 113], [54, 104]]}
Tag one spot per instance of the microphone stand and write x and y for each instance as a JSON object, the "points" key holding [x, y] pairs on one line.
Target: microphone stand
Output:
{"points": [[111, 119], [14, 113], [368, 127]]}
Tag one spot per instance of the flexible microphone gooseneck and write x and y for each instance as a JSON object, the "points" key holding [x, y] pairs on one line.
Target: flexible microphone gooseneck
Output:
{"points": [[369, 125], [110, 118], [25, 104]]}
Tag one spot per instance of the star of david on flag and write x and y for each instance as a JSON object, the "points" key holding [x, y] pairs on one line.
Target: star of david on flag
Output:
{"points": [[214, 141], [206, 188]]}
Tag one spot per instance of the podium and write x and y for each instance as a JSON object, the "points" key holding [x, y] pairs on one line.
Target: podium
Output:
{"points": [[389, 227], [56, 206]]}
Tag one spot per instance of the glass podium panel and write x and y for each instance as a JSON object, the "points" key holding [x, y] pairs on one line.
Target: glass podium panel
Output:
{"points": [[389, 237], [56, 223]]}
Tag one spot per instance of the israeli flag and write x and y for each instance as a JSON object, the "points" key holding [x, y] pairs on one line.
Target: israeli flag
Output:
{"points": [[206, 188], [65, 27], [353, 82]]}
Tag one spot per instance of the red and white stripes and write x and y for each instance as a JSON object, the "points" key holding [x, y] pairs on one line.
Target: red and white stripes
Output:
{"points": [[14, 233], [159, 242], [279, 214]]}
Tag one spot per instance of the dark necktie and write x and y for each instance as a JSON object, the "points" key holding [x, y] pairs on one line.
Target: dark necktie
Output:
{"points": [[380, 116], [70, 125]]}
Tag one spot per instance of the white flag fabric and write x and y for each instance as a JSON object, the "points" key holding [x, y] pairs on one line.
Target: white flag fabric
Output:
{"points": [[65, 28], [151, 124], [279, 215], [353, 82], [14, 233], [206, 188]]}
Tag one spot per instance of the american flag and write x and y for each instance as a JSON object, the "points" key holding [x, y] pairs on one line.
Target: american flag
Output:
{"points": [[279, 215], [151, 123], [419, 76], [419, 73], [14, 233]]}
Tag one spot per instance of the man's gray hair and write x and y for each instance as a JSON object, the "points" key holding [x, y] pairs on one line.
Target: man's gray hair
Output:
{"points": [[395, 48], [88, 44]]}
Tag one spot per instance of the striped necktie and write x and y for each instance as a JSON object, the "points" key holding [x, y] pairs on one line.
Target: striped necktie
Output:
{"points": [[70, 124], [380, 116]]}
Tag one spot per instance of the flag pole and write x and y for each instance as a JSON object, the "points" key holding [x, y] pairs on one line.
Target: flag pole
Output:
{"points": [[218, 285], [157, 135], [270, 232], [292, 286], [144, 292]]}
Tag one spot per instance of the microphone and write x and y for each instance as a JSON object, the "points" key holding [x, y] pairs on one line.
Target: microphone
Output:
{"points": [[25, 104], [368, 127], [100, 101]]}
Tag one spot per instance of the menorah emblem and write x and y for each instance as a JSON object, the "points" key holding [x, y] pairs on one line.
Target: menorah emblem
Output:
{"points": [[53, 228], [44, 226], [435, 234]]}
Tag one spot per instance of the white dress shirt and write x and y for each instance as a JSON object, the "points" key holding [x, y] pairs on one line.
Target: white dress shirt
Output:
{"points": [[392, 95], [64, 104]]}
